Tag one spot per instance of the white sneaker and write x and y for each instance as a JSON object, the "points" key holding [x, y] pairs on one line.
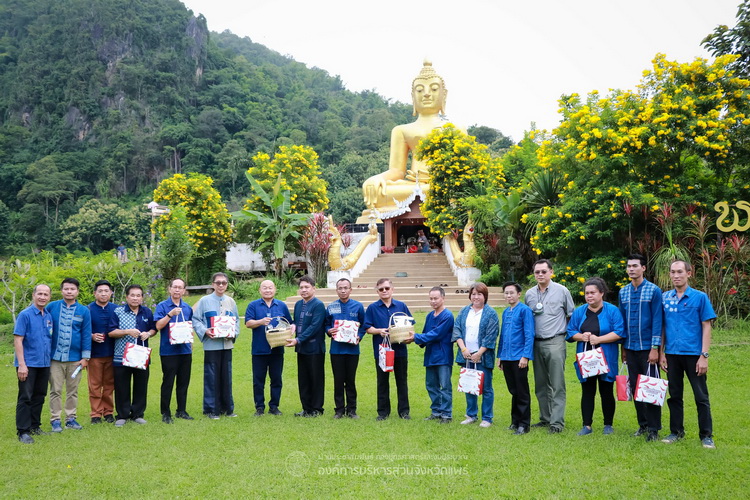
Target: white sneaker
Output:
{"points": [[140, 421], [120, 422], [469, 420], [485, 424]]}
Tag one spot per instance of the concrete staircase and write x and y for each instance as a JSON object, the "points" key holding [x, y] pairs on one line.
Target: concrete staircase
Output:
{"points": [[424, 270]]}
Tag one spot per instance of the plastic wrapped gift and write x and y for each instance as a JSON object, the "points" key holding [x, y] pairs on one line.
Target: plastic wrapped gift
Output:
{"points": [[348, 331], [224, 326]]}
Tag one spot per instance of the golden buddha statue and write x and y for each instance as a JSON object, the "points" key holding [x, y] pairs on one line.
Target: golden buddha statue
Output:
{"points": [[391, 192]]}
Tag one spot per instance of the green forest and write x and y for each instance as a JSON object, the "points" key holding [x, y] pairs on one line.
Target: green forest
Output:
{"points": [[103, 99]]}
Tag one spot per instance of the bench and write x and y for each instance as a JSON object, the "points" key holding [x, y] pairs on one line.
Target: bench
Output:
{"points": [[207, 289]]}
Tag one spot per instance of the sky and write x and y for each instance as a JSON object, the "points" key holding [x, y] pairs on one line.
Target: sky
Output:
{"points": [[505, 63]]}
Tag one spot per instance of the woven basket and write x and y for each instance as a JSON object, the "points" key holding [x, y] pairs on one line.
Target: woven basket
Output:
{"points": [[279, 334], [398, 334]]}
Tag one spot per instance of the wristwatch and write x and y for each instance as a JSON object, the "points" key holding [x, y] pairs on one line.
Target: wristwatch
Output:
{"points": [[704, 354], [655, 347]]}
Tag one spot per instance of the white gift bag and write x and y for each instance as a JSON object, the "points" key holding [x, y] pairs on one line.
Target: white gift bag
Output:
{"points": [[592, 362], [348, 331], [470, 380], [136, 356], [651, 390], [224, 326], [181, 332]]}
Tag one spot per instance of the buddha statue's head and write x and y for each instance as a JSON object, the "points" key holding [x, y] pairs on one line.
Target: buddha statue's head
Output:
{"points": [[428, 92]]}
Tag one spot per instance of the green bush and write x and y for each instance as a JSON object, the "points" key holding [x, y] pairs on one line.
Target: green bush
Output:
{"points": [[493, 277]]}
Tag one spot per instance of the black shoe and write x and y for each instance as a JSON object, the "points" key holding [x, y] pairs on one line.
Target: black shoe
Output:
{"points": [[338, 415], [433, 417], [521, 430], [445, 420], [212, 416], [96, 420], [274, 411], [640, 432], [36, 431], [313, 414], [405, 416], [553, 429], [25, 438], [110, 419], [167, 418], [380, 418], [302, 413], [652, 436], [231, 414], [353, 414], [259, 412], [512, 427], [540, 424], [183, 415]]}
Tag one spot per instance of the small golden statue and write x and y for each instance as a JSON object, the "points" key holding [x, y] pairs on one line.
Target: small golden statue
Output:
{"points": [[393, 190]]}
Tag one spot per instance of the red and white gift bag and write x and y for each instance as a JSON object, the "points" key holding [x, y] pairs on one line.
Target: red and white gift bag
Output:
{"points": [[224, 326], [592, 363], [348, 331], [651, 390], [471, 381], [623, 385], [136, 356], [386, 356], [181, 332]]}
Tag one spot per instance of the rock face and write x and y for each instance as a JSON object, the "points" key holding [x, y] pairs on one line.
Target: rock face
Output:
{"points": [[197, 30]]}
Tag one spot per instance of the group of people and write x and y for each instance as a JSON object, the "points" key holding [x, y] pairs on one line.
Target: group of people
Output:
{"points": [[54, 341]]}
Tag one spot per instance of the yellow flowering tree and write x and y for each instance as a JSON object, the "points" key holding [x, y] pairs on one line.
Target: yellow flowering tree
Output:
{"points": [[207, 221], [677, 142], [300, 175], [460, 168]]}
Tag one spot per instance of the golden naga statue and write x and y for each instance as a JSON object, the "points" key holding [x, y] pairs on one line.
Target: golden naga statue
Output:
{"points": [[335, 261], [465, 258], [391, 192]]}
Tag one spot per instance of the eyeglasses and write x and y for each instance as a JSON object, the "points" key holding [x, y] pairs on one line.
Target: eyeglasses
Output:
{"points": [[221, 283], [541, 271], [384, 289]]}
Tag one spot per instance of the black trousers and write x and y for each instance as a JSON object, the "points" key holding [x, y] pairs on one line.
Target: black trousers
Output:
{"points": [[273, 365], [311, 381], [344, 367], [677, 366], [588, 396], [400, 368], [649, 416], [31, 394], [517, 380], [217, 382], [130, 405], [175, 367]]}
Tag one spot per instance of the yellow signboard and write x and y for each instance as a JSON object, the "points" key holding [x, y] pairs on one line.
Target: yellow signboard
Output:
{"points": [[723, 208]]}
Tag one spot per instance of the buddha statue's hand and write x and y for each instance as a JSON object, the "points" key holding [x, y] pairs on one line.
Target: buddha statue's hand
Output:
{"points": [[373, 188]]}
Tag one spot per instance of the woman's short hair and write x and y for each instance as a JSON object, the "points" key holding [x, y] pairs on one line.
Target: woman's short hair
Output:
{"points": [[480, 288], [599, 283]]}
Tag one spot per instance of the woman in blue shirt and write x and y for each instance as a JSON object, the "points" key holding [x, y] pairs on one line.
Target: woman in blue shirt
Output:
{"points": [[475, 332], [600, 324]]}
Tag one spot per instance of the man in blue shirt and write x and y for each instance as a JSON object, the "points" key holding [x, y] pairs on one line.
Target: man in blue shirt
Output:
{"points": [[101, 371], [71, 348], [438, 356], [32, 343], [131, 323], [640, 305], [176, 359], [515, 350], [687, 338], [266, 361], [310, 344], [377, 319], [344, 356]]}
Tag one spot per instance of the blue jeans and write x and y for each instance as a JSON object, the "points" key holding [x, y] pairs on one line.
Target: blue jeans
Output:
{"points": [[488, 398], [438, 382]]}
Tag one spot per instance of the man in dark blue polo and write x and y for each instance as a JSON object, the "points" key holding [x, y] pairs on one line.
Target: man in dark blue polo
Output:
{"points": [[32, 342], [377, 319], [266, 361], [310, 344], [176, 358], [101, 370], [688, 314]]}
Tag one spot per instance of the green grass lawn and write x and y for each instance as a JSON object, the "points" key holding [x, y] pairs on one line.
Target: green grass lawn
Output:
{"points": [[292, 457]]}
